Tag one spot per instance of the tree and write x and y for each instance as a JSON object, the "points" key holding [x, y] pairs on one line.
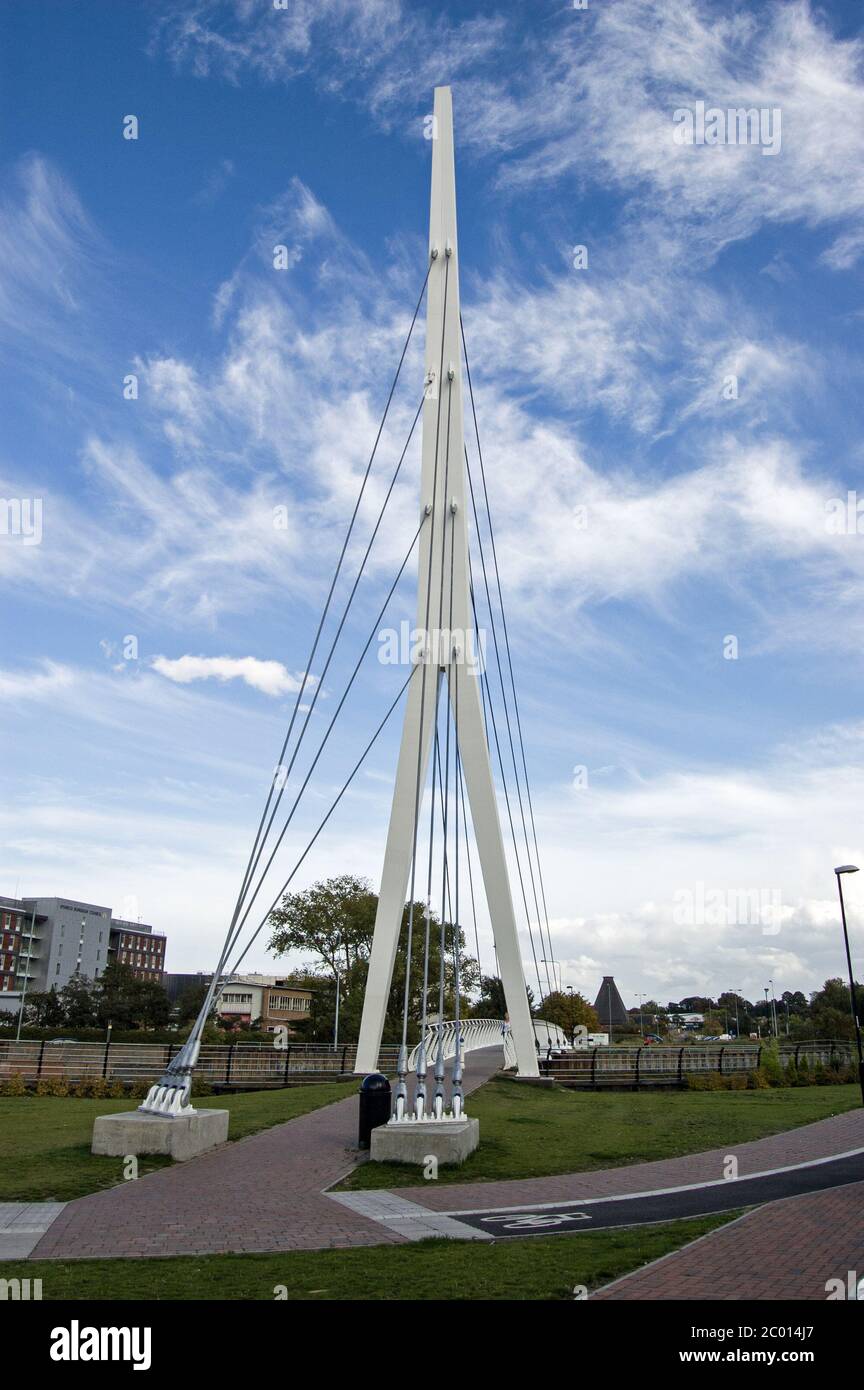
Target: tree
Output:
{"points": [[117, 996], [152, 1009], [334, 921], [491, 1003], [830, 1010], [43, 1009], [190, 1001], [77, 1002], [569, 1011]]}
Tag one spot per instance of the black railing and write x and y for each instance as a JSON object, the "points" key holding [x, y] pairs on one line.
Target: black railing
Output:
{"points": [[595, 1067], [240, 1065]]}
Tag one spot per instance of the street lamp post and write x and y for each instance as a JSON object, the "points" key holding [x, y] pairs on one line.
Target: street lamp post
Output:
{"points": [[734, 993], [774, 1009], [851, 869]]}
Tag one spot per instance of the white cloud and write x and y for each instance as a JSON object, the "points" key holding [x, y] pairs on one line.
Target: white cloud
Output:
{"points": [[40, 684], [270, 677]]}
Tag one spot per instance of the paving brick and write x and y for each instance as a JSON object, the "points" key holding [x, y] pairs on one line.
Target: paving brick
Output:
{"points": [[785, 1250], [263, 1193]]}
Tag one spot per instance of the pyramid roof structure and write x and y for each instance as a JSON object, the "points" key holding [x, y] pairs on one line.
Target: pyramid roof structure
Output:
{"points": [[609, 1002]]}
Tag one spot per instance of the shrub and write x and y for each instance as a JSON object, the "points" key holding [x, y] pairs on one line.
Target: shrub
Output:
{"points": [[771, 1065], [757, 1080], [14, 1086], [93, 1088], [201, 1088], [705, 1081], [737, 1081], [139, 1089], [52, 1086], [804, 1076]]}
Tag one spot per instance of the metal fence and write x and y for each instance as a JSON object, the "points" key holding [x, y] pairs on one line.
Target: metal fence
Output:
{"points": [[668, 1066], [241, 1065]]}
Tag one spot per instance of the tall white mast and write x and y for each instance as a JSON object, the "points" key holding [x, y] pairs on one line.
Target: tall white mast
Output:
{"points": [[443, 498]]}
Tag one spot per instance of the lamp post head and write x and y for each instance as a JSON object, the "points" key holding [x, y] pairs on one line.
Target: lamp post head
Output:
{"points": [[847, 869]]}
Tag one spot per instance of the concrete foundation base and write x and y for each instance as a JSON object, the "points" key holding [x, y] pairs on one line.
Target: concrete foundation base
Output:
{"points": [[183, 1136], [416, 1141]]}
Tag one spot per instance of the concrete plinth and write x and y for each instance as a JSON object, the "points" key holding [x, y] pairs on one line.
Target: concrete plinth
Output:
{"points": [[182, 1136], [416, 1141]]}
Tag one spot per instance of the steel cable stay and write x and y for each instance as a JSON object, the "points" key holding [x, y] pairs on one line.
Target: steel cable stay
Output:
{"points": [[326, 735], [485, 682], [171, 1094], [506, 711], [461, 780], [335, 802], [438, 1104], [337, 572], [401, 1093], [246, 905], [507, 642], [284, 773], [174, 1080], [335, 640]]}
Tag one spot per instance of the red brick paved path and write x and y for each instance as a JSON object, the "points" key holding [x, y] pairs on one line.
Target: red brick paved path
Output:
{"points": [[788, 1249], [260, 1194]]}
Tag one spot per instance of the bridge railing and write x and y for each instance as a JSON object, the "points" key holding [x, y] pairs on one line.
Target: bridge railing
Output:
{"points": [[486, 1032], [220, 1064], [655, 1065]]}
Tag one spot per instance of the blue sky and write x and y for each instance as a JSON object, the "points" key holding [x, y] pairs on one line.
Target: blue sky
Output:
{"points": [[708, 515]]}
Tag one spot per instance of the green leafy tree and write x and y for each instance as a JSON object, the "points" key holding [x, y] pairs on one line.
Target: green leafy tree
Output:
{"points": [[830, 1010], [334, 922], [491, 1003], [117, 996], [152, 1009], [190, 1001], [569, 1011], [43, 1009], [78, 1003]]}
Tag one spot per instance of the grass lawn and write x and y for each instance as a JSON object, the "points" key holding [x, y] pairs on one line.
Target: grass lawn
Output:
{"points": [[529, 1132], [45, 1140], [544, 1267]]}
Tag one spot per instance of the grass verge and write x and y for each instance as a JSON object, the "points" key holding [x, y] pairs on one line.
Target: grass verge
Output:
{"points": [[45, 1140], [540, 1268], [530, 1132]]}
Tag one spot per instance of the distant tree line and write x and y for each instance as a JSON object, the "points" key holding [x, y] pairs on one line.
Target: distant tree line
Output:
{"points": [[825, 1014]]}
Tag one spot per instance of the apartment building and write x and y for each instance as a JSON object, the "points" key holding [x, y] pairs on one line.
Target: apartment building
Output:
{"points": [[49, 940]]}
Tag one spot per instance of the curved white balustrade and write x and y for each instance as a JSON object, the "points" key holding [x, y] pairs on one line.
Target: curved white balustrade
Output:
{"points": [[486, 1032]]}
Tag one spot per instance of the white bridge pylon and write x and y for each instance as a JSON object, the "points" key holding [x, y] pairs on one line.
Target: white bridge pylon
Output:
{"points": [[443, 500]]}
